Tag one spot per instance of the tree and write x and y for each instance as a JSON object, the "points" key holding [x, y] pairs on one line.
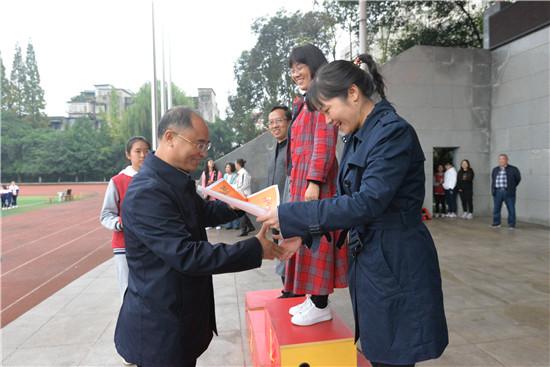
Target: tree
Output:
{"points": [[262, 73], [4, 88], [222, 137], [136, 120], [448, 24], [394, 26], [17, 83], [33, 92]]}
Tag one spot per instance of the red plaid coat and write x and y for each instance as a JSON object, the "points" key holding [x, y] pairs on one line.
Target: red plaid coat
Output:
{"points": [[313, 157]]}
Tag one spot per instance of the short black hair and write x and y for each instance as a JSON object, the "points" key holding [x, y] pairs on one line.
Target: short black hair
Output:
{"points": [[177, 116], [307, 54], [130, 143], [288, 114]]}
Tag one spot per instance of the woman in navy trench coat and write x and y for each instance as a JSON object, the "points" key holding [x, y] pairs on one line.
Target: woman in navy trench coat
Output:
{"points": [[394, 276]]}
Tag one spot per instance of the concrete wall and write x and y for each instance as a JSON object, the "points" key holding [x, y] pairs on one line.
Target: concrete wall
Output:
{"points": [[445, 94], [520, 120], [256, 153]]}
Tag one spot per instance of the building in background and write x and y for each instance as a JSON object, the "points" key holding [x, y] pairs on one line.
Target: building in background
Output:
{"points": [[206, 105], [94, 104]]}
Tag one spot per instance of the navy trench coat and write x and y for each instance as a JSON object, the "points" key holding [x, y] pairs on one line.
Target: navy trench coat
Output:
{"points": [[167, 316], [394, 276]]}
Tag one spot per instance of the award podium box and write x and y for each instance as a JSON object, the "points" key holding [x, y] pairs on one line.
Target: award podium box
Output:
{"points": [[275, 341]]}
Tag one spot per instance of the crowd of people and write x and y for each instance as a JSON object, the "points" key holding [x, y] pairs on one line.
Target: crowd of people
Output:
{"points": [[9, 194]]}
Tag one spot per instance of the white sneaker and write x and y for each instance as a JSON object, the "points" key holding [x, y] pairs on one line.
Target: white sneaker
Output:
{"points": [[470, 216], [218, 227], [464, 215], [312, 315], [298, 308]]}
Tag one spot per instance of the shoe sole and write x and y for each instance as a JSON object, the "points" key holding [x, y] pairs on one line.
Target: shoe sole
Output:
{"points": [[317, 322]]}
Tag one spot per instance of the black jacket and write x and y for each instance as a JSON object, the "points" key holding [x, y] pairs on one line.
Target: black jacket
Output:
{"points": [[465, 180], [513, 178], [167, 316]]}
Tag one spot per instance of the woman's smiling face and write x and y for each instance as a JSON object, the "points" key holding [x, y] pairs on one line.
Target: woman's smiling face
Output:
{"points": [[344, 113], [301, 75]]}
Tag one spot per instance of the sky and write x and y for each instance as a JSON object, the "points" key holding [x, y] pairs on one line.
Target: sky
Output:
{"points": [[81, 43]]}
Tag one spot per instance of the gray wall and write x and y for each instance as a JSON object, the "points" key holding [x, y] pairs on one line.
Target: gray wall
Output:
{"points": [[445, 94], [520, 120], [256, 153]]}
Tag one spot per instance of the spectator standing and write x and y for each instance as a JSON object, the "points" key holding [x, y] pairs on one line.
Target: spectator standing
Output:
{"points": [[137, 148], [439, 192], [230, 176], [449, 184], [244, 186], [465, 188], [14, 193], [504, 180]]}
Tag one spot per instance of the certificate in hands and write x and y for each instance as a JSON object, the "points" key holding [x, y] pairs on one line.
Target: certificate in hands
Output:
{"points": [[256, 204]]}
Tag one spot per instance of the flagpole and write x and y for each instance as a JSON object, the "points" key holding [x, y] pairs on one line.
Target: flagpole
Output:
{"points": [[154, 111]]}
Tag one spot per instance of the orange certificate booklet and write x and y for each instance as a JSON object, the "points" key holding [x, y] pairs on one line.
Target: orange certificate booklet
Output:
{"points": [[256, 204]]}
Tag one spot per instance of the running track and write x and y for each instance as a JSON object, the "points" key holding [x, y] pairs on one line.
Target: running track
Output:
{"points": [[46, 249]]}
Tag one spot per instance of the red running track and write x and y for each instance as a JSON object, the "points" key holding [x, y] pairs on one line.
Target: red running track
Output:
{"points": [[46, 249]]}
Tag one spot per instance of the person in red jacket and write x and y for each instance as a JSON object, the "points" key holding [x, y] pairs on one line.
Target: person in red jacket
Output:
{"points": [[313, 170], [137, 148]]}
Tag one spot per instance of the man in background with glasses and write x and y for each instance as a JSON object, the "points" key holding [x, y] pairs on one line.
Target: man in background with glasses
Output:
{"points": [[167, 316], [278, 123]]}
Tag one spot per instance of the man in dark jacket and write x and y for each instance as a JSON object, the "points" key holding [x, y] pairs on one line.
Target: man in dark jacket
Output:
{"points": [[278, 122], [167, 317], [505, 179]]}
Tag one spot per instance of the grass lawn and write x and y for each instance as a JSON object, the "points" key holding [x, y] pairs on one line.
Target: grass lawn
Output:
{"points": [[28, 203]]}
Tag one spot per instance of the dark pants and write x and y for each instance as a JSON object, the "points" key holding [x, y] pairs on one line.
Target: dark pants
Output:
{"points": [[376, 364], [246, 224], [450, 197], [440, 204], [14, 200], [499, 197], [467, 197]]}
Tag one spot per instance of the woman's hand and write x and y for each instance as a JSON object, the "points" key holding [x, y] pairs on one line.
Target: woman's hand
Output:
{"points": [[271, 218], [312, 192]]}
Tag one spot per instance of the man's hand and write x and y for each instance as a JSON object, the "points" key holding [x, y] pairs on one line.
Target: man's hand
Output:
{"points": [[290, 246], [270, 249], [312, 192], [271, 219]]}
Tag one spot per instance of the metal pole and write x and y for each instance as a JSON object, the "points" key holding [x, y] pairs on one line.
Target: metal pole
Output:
{"points": [[169, 87], [163, 80], [363, 27], [154, 111]]}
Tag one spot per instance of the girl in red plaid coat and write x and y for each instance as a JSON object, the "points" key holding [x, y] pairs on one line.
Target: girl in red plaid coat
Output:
{"points": [[312, 177]]}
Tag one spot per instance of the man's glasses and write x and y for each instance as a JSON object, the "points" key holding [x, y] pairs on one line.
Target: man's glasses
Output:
{"points": [[203, 147]]}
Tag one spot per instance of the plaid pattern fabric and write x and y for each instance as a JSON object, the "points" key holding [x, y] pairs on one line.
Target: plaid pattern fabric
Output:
{"points": [[313, 157], [501, 180]]}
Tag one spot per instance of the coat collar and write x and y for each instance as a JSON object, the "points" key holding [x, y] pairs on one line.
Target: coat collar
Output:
{"points": [[172, 175], [379, 110]]}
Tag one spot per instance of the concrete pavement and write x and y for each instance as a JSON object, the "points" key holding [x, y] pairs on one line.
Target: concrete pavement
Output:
{"points": [[496, 285]]}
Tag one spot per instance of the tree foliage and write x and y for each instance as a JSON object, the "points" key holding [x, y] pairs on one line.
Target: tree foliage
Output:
{"points": [[33, 93], [262, 73]]}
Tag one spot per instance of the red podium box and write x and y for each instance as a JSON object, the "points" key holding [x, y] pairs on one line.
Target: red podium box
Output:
{"points": [[275, 341]]}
